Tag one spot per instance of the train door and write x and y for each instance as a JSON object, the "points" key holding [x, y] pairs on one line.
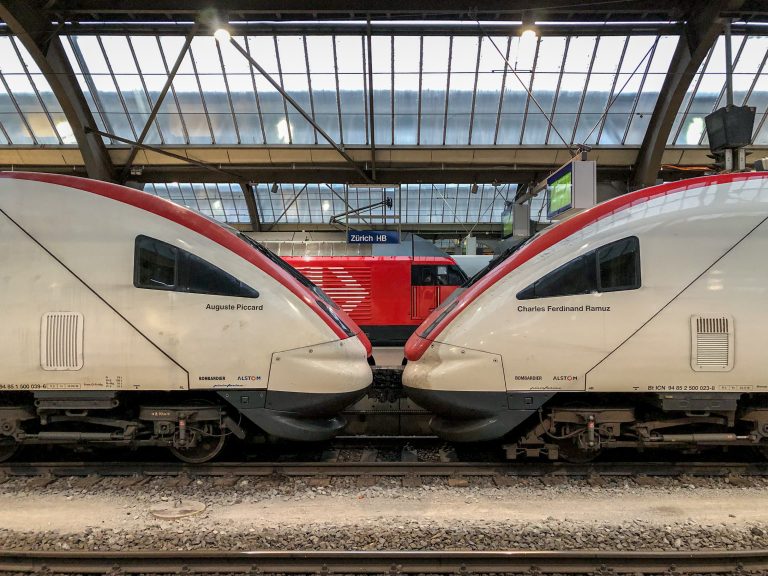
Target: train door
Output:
{"points": [[424, 290]]}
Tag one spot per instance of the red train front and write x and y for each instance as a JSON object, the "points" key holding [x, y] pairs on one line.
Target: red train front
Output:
{"points": [[387, 296]]}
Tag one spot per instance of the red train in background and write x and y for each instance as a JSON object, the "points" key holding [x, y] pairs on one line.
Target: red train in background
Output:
{"points": [[388, 296], [387, 289]]}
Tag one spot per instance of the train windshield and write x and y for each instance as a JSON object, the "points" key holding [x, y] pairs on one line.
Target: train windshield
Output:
{"points": [[288, 268]]}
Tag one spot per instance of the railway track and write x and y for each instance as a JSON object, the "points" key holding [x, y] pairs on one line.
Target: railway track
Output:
{"points": [[538, 563], [496, 470]]}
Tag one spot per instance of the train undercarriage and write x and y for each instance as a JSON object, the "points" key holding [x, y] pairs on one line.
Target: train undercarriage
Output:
{"points": [[574, 429], [570, 427], [194, 430]]}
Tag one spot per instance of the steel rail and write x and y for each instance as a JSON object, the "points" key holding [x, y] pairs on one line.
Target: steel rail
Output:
{"points": [[385, 562], [390, 469]]}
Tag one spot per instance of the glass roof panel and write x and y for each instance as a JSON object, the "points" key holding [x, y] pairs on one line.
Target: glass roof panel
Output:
{"points": [[130, 83], [383, 80], [349, 59], [407, 59], [464, 61], [522, 58], [548, 68], [434, 83], [420, 203], [273, 117], [571, 94], [651, 87], [293, 64], [707, 91], [24, 107], [490, 75], [427, 90], [242, 92], [323, 79], [224, 202]]}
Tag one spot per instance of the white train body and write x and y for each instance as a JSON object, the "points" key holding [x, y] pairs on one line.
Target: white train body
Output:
{"points": [[659, 292], [108, 290]]}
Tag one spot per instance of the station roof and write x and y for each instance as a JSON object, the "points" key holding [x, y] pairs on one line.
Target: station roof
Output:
{"points": [[434, 96]]}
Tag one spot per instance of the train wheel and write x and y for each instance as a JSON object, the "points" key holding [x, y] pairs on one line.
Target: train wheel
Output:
{"points": [[570, 451], [7, 449], [208, 446]]}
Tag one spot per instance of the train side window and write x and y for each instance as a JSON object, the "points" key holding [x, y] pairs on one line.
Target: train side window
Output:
{"points": [[575, 277], [423, 275], [202, 277], [613, 267], [619, 264], [162, 266], [156, 264], [456, 276], [450, 276]]}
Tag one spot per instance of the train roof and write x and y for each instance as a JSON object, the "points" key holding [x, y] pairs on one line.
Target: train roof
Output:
{"points": [[221, 234]]}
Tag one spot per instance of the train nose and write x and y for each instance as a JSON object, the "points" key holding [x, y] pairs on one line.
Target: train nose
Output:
{"points": [[466, 391], [308, 387]]}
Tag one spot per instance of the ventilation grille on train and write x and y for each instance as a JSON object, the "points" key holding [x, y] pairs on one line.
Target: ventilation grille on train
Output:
{"points": [[61, 341], [348, 286], [711, 343]]}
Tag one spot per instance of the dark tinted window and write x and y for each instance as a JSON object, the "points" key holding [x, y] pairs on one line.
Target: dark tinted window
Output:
{"points": [[456, 276], [437, 275], [158, 262], [205, 278], [615, 266], [619, 265], [575, 277], [423, 275]]}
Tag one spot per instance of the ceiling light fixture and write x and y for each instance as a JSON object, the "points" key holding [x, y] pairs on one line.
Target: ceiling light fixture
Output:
{"points": [[528, 31], [275, 188], [474, 188], [222, 35], [216, 21]]}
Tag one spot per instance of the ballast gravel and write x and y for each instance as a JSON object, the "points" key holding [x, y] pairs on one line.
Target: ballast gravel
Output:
{"points": [[281, 513]]}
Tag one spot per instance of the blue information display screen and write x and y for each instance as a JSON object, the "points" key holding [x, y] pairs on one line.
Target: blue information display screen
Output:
{"points": [[373, 237]]}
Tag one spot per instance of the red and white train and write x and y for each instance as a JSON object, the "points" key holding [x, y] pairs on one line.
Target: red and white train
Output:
{"points": [[637, 323], [129, 320]]}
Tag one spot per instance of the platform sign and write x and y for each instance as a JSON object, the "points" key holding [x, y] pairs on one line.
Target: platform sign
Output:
{"points": [[373, 237]]}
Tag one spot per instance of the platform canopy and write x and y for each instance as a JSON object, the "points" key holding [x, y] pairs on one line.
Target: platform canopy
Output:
{"points": [[451, 101]]}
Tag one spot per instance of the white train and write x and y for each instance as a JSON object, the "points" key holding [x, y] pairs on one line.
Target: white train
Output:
{"points": [[641, 322], [129, 320]]}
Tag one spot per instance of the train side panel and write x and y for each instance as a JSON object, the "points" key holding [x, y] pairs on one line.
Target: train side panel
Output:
{"points": [[709, 339], [199, 331], [549, 344], [58, 335]]}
